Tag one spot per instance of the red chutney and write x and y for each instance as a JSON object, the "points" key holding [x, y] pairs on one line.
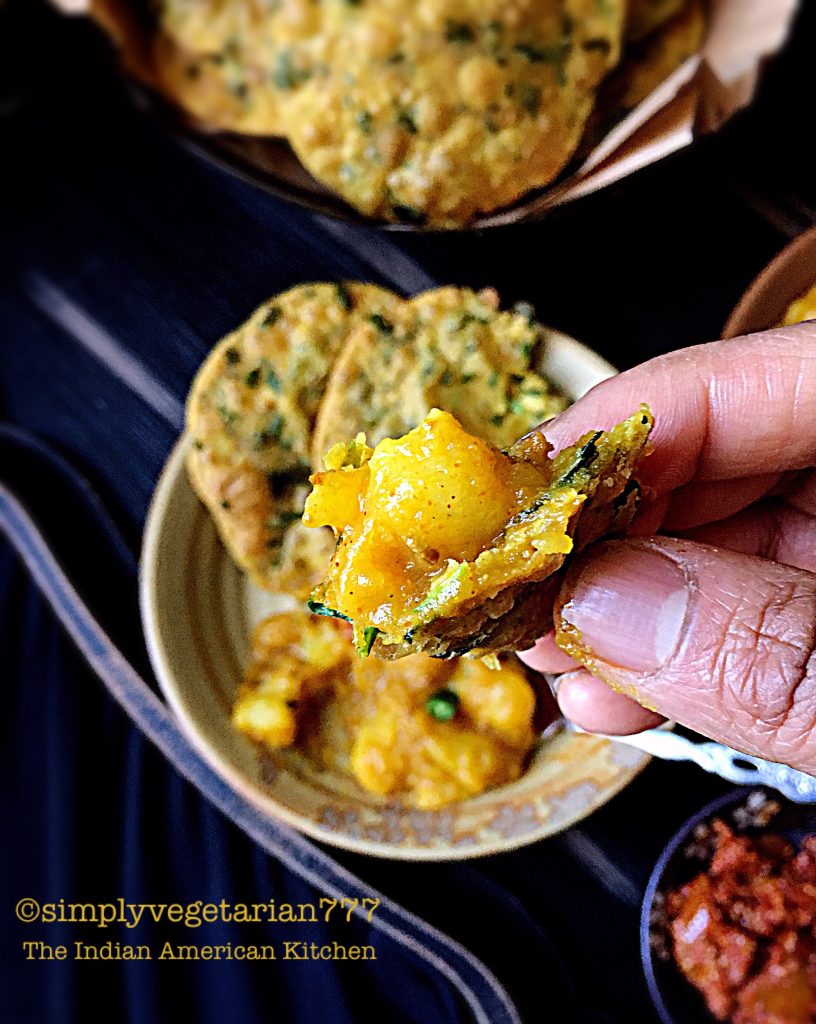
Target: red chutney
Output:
{"points": [[744, 931]]}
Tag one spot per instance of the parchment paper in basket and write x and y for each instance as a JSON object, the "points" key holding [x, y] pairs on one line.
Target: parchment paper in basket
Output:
{"points": [[699, 97]]}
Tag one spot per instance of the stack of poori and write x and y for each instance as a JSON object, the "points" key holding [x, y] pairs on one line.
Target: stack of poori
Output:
{"points": [[310, 367], [422, 111]]}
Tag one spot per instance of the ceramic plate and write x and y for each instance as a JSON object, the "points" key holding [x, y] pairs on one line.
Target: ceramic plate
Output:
{"points": [[198, 611]]}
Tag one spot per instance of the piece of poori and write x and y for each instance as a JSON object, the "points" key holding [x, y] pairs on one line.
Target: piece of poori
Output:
{"points": [[217, 91], [652, 60], [644, 16], [429, 112], [234, 64], [436, 111], [250, 415], [445, 543], [452, 349], [323, 361]]}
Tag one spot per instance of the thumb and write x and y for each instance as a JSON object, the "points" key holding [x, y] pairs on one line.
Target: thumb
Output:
{"points": [[719, 641]]}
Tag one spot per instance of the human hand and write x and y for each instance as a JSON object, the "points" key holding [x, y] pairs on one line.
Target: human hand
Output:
{"points": [[713, 626]]}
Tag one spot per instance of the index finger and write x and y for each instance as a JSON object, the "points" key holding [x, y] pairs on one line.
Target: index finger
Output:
{"points": [[725, 410]]}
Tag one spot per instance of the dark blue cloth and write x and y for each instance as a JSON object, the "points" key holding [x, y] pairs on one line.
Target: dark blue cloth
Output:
{"points": [[122, 259], [389, 927]]}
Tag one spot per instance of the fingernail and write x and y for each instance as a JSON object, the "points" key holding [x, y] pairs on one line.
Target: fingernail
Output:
{"points": [[554, 681], [629, 604]]}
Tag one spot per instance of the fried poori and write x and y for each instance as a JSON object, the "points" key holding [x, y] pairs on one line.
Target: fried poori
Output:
{"points": [[452, 349], [653, 59], [435, 112], [445, 543], [251, 410]]}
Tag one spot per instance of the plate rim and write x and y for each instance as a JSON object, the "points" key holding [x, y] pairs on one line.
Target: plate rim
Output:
{"points": [[768, 290]]}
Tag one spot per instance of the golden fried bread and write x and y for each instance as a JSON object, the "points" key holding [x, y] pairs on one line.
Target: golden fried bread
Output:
{"points": [[444, 540], [644, 16], [437, 111], [251, 410], [450, 348], [234, 64], [427, 112], [430, 112], [218, 92], [653, 59]]}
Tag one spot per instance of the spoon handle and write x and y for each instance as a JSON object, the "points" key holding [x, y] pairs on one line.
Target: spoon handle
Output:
{"points": [[724, 761]]}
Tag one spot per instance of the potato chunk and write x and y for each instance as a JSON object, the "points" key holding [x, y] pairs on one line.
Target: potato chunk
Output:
{"points": [[461, 500], [417, 730]]}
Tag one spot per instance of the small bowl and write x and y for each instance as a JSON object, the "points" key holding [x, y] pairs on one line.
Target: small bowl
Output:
{"points": [[788, 276], [198, 611], [674, 997]]}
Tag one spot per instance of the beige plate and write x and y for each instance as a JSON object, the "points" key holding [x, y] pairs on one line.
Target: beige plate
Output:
{"points": [[789, 274], [198, 611]]}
